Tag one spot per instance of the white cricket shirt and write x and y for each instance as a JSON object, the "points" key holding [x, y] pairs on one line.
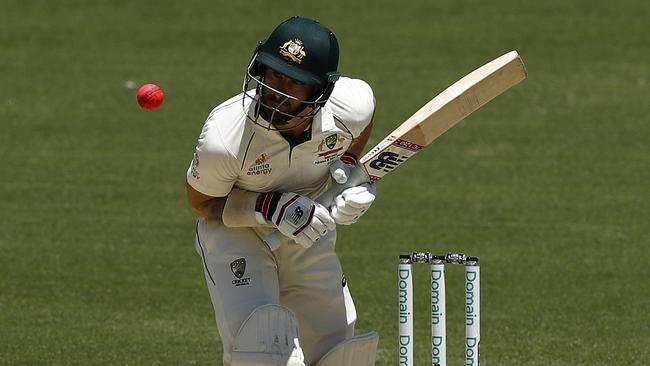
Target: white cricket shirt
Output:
{"points": [[232, 151]]}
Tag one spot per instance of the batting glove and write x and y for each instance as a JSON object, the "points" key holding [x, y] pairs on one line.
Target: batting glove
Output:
{"points": [[352, 203], [342, 168], [296, 216]]}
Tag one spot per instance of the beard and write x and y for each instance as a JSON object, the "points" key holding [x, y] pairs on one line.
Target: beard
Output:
{"points": [[278, 110], [273, 116]]}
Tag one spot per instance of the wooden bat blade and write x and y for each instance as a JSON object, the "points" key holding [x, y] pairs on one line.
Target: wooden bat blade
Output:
{"points": [[443, 112], [462, 98]]}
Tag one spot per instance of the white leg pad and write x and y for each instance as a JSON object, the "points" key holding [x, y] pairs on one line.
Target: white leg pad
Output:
{"points": [[268, 337], [357, 351]]}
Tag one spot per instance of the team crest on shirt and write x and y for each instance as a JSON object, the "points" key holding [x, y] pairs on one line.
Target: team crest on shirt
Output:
{"points": [[195, 167], [238, 268], [329, 149], [331, 140], [261, 166], [294, 50], [328, 144]]}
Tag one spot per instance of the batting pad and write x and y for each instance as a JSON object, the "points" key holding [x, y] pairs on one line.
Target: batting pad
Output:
{"points": [[268, 337], [357, 351]]}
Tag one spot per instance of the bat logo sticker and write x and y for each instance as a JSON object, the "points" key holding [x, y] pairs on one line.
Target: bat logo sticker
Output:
{"points": [[387, 161]]}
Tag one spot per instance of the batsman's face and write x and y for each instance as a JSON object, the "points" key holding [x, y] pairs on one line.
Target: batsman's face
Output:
{"points": [[286, 85]]}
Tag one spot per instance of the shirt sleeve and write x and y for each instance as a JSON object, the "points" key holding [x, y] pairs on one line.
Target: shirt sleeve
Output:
{"points": [[353, 104], [213, 169]]}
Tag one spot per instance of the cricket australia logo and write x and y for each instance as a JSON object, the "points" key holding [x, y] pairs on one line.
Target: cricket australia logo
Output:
{"points": [[331, 140], [329, 143], [238, 268], [294, 50], [260, 166], [387, 161], [327, 150]]}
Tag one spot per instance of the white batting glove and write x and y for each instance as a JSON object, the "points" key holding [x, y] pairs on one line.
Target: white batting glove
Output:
{"points": [[352, 203], [296, 216], [342, 168]]}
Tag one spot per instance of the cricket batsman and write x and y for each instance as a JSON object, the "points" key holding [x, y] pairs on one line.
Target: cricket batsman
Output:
{"points": [[262, 158]]}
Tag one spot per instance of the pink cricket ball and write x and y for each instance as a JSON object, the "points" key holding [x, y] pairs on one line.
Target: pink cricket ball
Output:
{"points": [[150, 96]]}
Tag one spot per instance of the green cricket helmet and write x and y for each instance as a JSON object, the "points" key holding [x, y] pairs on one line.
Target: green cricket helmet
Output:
{"points": [[304, 50]]}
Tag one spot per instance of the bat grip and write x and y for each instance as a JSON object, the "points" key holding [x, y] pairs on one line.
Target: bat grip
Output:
{"points": [[357, 177]]}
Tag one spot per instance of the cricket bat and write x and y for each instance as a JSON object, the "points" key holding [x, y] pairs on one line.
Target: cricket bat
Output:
{"points": [[429, 122]]}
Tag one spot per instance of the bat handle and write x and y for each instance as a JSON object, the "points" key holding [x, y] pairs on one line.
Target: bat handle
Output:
{"points": [[357, 177]]}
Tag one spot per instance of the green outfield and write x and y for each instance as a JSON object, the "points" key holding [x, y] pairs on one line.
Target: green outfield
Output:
{"points": [[548, 184]]}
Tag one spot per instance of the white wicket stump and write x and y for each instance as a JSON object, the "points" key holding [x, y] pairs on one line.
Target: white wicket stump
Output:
{"points": [[405, 295], [472, 314], [438, 314], [438, 307]]}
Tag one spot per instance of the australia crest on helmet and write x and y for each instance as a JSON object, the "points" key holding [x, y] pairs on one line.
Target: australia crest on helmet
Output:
{"points": [[294, 50]]}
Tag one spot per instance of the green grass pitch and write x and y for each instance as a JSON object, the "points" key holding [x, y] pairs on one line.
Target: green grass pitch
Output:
{"points": [[548, 184]]}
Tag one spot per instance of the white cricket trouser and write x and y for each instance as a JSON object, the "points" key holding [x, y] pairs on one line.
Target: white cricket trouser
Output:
{"points": [[242, 273]]}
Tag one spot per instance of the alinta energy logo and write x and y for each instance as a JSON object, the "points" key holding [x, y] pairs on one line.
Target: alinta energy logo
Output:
{"points": [[260, 166], [238, 268]]}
